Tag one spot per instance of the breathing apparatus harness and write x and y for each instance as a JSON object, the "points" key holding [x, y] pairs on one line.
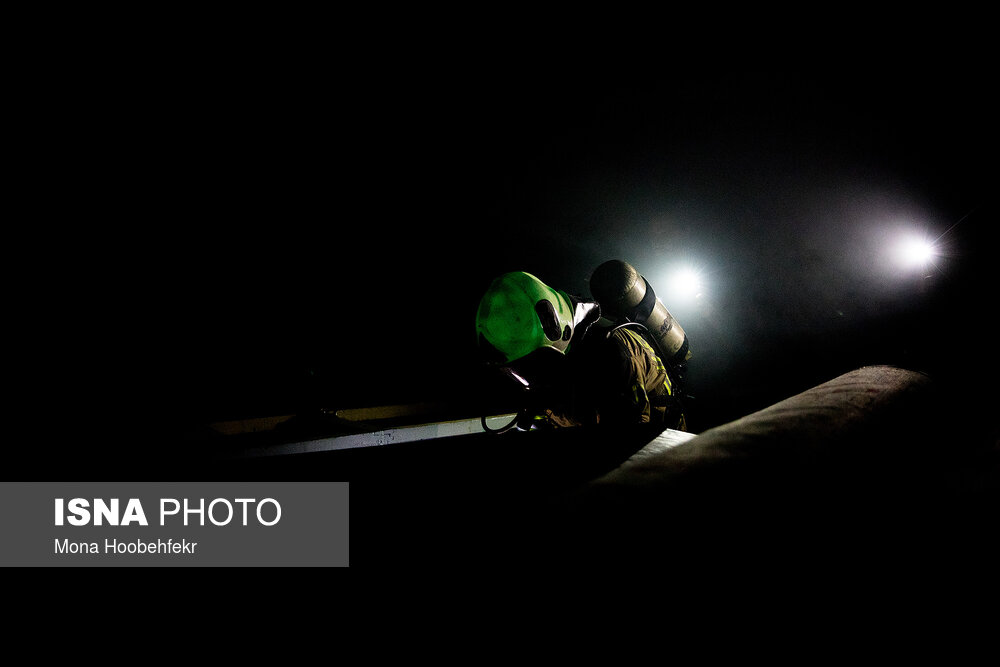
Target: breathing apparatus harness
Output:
{"points": [[637, 319]]}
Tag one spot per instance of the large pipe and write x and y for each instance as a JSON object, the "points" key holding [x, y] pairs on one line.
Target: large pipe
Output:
{"points": [[849, 460]]}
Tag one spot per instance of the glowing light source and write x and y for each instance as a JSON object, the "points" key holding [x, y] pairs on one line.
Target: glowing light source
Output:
{"points": [[685, 284], [915, 252]]}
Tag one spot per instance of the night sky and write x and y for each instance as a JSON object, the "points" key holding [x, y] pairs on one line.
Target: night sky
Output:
{"points": [[270, 238]]}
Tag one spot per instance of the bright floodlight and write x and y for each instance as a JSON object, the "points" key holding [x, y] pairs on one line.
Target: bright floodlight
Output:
{"points": [[685, 284], [916, 252]]}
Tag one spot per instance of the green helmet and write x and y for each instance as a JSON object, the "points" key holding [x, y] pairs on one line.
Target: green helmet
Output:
{"points": [[520, 314]]}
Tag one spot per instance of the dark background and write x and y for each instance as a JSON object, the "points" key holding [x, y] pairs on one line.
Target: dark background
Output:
{"points": [[338, 259], [256, 228], [250, 214]]}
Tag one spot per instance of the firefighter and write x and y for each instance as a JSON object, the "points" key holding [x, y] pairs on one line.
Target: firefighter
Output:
{"points": [[617, 358]]}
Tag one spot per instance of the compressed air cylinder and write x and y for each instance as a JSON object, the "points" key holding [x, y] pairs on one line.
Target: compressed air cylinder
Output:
{"points": [[626, 296]]}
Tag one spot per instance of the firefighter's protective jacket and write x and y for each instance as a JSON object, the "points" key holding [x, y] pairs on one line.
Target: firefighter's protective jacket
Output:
{"points": [[619, 378]]}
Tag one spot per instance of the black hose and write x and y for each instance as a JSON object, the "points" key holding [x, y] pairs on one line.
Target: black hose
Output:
{"points": [[502, 429]]}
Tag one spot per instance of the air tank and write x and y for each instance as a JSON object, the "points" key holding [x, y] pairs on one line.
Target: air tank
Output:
{"points": [[626, 296]]}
